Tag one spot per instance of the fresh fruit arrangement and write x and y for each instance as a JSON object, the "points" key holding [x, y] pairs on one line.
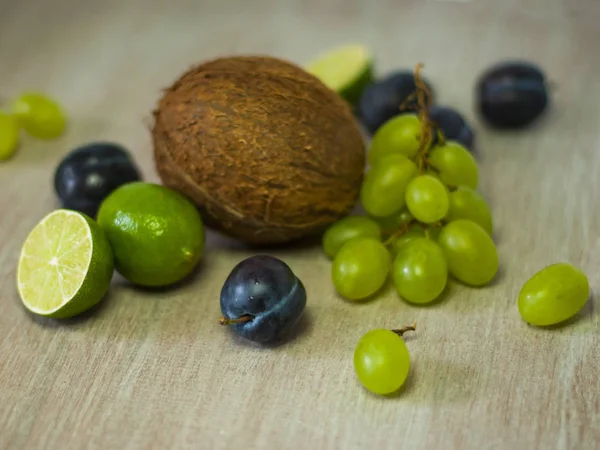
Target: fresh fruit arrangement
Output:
{"points": [[281, 157], [39, 115]]}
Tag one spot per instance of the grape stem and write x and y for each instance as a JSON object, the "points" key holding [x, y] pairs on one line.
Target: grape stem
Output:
{"points": [[399, 232], [424, 102], [243, 319], [401, 331]]}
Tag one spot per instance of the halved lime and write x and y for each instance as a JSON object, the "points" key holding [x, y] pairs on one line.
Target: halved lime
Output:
{"points": [[346, 69], [65, 266]]}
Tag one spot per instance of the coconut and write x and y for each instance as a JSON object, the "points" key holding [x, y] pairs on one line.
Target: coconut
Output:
{"points": [[267, 152]]}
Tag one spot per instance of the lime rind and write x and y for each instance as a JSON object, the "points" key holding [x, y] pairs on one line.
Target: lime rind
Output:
{"points": [[347, 70]]}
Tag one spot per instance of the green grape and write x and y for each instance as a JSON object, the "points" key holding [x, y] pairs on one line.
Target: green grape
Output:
{"points": [[415, 231], [360, 268], [382, 191], [427, 199], [40, 115], [465, 203], [395, 221], [399, 135], [455, 164], [420, 271], [9, 135], [433, 232], [470, 252], [381, 361], [346, 229], [553, 295]]}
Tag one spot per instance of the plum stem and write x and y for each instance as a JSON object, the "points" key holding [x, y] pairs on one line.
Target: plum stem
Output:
{"points": [[401, 331], [243, 319]]}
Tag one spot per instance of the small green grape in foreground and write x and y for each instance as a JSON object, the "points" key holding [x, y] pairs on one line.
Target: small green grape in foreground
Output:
{"points": [[347, 229], [465, 203], [9, 135], [455, 164], [470, 252], [420, 271], [399, 135], [360, 268], [427, 199], [553, 295], [39, 115], [382, 361], [384, 186]]}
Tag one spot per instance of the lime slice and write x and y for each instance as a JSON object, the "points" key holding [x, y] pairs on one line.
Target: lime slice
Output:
{"points": [[65, 265], [347, 70]]}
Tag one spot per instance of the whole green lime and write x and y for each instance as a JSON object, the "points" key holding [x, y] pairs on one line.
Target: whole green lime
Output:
{"points": [[157, 234]]}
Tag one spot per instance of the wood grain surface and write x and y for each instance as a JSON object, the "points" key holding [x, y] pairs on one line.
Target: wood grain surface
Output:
{"points": [[153, 369]]}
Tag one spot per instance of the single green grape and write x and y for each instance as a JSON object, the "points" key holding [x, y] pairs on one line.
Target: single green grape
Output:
{"points": [[455, 164], [384, 185], [347, 229], [554, 294], [39, 115], [427, 199], [360, 268], [431, 171], [381, 361], [399, 135], [420, 271], [9, 135], [465, 203], [415, 231], [395, 221], [470, 252]]}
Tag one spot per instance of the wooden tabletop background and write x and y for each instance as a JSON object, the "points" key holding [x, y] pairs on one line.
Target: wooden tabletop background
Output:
{"points": [[153, 369]]}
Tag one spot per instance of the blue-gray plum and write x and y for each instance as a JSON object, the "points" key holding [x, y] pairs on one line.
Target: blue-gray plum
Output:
{"points": [[262, 299], [381, 100], [86, 176], [512, 94], [453, 125]]}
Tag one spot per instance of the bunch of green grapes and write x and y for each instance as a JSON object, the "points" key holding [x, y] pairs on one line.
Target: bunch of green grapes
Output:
{"points": [[424, 222], [425, 219], [37, 114]]}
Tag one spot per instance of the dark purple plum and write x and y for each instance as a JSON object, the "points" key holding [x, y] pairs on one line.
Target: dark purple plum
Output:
{"points": [[86, 176], [262, 299], [381, 100], [512, 94], [453, 125]]}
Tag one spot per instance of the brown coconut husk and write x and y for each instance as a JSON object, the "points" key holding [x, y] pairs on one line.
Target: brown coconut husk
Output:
{"points": [[267, 152]]}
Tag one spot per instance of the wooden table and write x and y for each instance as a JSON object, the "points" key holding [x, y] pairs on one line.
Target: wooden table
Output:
{"points": [[151, 370]]}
